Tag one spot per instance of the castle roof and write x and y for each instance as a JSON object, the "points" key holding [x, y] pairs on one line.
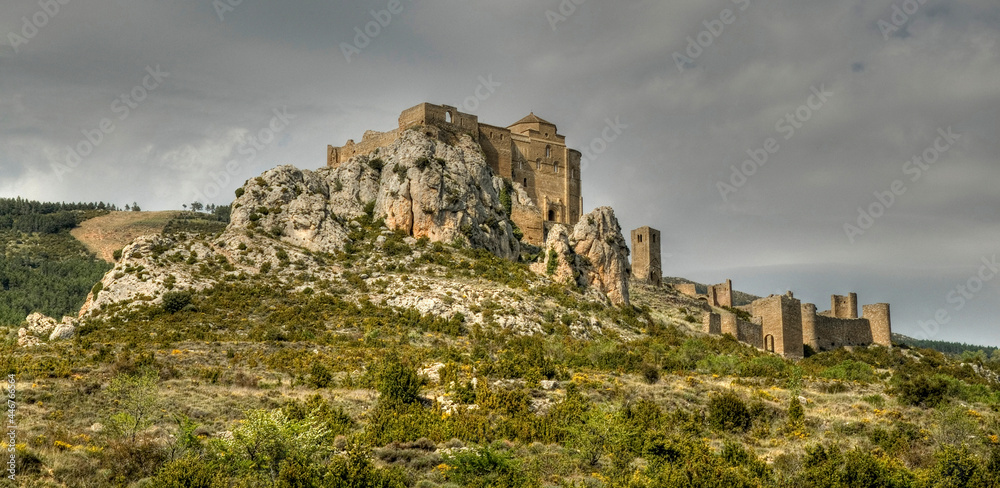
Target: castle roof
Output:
{"points": [[532, 119]]}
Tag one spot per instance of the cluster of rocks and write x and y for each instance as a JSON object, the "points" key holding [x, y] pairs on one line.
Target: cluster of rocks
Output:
{"points": [[40, 327]]}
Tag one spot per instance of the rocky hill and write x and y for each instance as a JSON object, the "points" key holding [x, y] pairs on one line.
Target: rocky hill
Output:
{"points": [[380, 324]]}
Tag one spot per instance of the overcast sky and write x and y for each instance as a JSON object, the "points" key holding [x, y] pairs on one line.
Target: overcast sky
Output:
{"points": [[157, 98]]}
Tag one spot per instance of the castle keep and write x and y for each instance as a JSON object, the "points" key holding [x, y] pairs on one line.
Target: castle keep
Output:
{"points": [[530, 153]]}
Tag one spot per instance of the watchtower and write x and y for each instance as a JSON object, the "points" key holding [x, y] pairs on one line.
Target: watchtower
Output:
{"points": [[646, 256]]}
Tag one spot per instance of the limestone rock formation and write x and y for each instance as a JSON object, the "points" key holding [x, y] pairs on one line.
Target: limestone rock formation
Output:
{"points": [[598, 238], [417, 184], [557, 247], [593, 256], [40, 326]]}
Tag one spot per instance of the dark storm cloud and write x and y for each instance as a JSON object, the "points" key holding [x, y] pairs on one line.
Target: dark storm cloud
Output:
{"points": [[699, 87]]}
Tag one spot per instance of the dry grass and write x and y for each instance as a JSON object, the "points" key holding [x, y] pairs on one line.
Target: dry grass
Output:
{"points": [[105, 234]]}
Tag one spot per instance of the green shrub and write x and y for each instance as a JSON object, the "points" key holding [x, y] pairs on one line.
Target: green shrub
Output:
{"points": [[766, 367], [485, 467], [922, 391], [850, 370], [552, 263], [376, 164], [398, 384], [175, 301], [319, 376], [727, 412], [239, 192]]}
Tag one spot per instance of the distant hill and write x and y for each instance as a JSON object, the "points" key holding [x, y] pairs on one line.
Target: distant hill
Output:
{"points": [[946, 347], [105, 234], [739, 298]]}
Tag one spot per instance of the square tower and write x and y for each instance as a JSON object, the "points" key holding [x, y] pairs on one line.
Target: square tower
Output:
{"points": [[781, 316], [646, 256]]}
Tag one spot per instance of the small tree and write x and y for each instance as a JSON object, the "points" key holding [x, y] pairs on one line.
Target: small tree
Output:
{"points": [[135, 401], [135, 207], [197, 206]]}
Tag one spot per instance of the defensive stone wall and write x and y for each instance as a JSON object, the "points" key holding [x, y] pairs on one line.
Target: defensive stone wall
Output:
{"points": [[721, 295], [688, 289], [781, 318], [833, 332]]}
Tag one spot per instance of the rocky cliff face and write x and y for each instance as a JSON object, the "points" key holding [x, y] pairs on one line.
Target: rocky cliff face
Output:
{"points": [[593, 256], [418, 184]]}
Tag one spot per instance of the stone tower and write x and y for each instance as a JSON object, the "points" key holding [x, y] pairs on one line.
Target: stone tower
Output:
{"points": [[879, 321], [844, 307], [782, 324], [646, 256]]}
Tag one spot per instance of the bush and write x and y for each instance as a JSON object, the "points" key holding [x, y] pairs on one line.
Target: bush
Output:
{"points": [[175, 301], [728, 412], [485, 467], [651, 373], [398, 384], [319, 376], [922, 391], [850, 370]]}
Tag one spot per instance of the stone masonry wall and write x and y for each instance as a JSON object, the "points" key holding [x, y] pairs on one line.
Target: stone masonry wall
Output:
{"points": [[879, 320]]}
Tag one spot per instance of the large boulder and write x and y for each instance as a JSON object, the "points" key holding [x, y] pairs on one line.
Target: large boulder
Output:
{"points": [[418, 184], [598, 238]]}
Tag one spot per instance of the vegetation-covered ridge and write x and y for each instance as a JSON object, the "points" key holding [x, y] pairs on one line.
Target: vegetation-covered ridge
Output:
{"points": [[399, 362]]}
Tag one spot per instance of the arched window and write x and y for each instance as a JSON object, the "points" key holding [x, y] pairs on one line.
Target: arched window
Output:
{"points": [[548, 151], [640, 237], [525, 182], [552, 214], [555, 167], [538, 163], [520, 164], [447, 116]]}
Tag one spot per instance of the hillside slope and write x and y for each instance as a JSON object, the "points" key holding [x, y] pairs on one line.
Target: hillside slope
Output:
{"points": [[108, 233]]}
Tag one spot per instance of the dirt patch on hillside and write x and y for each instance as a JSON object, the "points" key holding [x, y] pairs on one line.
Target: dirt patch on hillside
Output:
{"points": [[108, 233]]}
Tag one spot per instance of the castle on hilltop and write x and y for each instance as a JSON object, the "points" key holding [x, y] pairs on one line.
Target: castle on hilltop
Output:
{"points": [[781, 324], [530, 153]]}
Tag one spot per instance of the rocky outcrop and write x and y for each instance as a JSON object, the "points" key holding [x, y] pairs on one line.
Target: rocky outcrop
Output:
{"points": [[598, 238], [40, 326], [418, 184], [594, 256], [566, 266]]}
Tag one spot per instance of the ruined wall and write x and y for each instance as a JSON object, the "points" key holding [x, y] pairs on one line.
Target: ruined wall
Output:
{"points": [[646, 255], [721, 295], [844, 307], [781, 319], [713, 323], [880, 323], [833, 332], [335, 156], [687, 289], [528, 218], [439, 115], [750, 333]]}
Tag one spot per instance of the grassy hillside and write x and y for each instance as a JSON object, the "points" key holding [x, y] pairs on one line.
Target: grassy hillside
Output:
{"points": [[283, 379]]}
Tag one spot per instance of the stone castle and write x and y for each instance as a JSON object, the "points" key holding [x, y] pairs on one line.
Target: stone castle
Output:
{"points": [[780, 324], [534, 158], [530, 153]]}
